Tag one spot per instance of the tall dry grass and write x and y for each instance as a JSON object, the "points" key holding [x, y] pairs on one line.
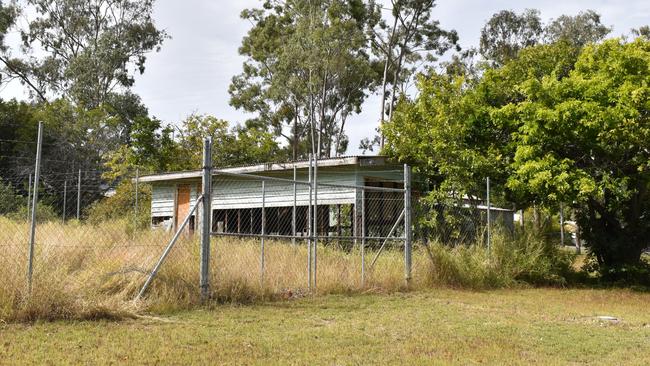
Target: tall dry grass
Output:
{"points": [[86, 271]]}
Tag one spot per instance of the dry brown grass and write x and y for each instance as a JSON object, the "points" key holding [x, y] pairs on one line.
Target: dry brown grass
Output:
{"points": [[94, 271]]}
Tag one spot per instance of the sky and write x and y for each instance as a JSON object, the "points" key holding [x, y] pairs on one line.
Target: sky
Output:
{"points": [[192, 71]]}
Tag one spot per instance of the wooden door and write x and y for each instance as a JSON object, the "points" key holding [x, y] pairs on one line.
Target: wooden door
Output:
{"points": [[182, 203]]}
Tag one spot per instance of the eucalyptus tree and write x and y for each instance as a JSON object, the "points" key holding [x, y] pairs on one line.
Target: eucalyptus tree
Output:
{"points": [[507, 32], [579, 30], [410, 37], [307, 70]]}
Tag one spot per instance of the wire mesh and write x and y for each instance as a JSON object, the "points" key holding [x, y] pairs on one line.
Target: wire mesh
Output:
{"points": [[90, 236], [292, 236]]}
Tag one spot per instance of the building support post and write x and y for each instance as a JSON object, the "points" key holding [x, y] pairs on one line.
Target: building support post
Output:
{"points": [[206, 223], [408, 244], [32, 229]]}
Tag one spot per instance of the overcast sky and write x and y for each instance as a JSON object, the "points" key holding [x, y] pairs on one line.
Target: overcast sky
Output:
{"points": [[193, 70]]}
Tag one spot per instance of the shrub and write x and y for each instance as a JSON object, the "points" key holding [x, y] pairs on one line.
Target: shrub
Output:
{"points": [[120, 206], [524, 259], [9, 200]]}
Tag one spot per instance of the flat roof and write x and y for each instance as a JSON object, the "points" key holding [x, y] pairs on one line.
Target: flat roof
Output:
{"points": [[362, 160]]}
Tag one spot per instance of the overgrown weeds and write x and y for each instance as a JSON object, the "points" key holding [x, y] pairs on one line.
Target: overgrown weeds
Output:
{"points": [[84, 271]]}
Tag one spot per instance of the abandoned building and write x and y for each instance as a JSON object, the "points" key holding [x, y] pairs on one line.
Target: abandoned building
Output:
{"points": [[238, 196]]}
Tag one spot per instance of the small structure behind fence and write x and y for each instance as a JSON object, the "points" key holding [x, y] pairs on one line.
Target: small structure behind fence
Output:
{"points": [[342, 223]]}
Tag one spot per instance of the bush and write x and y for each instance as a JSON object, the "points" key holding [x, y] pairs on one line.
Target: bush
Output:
{"points": [[44, 213], [120, 206], [512, 261], [624, 275], [9, 200]]}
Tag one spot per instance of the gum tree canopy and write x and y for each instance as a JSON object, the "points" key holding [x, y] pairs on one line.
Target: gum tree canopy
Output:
{"points": [[555, 125]]}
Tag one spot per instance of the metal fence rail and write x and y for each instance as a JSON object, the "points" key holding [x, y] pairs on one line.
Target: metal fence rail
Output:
{"points": [[67, 227]]}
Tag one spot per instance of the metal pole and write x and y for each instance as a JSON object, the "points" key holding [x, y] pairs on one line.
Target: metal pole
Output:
{"points": [[263, 233], [488, 214], [293, 213], [29, 197], [408, 245], [79, 196], [315, 244], [168, 249], [65, 197], [363, 237], [135, 206], [32, 229], [562, 224], [309, 228], [206, 224]]}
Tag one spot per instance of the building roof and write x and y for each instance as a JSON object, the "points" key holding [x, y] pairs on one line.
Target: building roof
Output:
{"points": [[361, 160]]}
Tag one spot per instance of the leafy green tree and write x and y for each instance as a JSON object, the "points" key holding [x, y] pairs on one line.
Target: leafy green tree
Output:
{"points": [[586, 139], [578, 30], [307, 70], [83, 49], [232, 146], [9, 200], [643, 31], [413, 36], [507, 32], [554, 125]]}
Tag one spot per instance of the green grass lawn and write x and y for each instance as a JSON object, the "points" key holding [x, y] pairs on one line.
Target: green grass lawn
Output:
{"points": [[545, 326]]}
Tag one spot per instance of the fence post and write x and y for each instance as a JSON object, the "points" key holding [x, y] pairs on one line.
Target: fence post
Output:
{"points": [[489, 243], [32, 229], [206, 223], [79, 196], [315, 244], [263, 233], [65, 197], [293, 213], [29, 197], [309, 224], [135, 206], [408, 245], [363, 237]]}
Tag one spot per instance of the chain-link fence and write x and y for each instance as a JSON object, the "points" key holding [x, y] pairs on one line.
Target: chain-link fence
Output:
{"points": [[288, 231], [301, 234]]}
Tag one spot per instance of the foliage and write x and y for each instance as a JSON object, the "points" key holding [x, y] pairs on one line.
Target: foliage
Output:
{"points": [[307, 69], [83, 50], [44, 213], [231, 146], [9, 200], [511, 261], [578, 30], [121, 206], [555, 125], [413, 37], [507, 32]]}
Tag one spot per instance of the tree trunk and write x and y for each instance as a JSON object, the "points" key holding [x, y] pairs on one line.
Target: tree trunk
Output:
{"points": [[389, 53]]}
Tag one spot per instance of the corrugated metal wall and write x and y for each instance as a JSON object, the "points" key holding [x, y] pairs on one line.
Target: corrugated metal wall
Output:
{"points": [[234, 192]]}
